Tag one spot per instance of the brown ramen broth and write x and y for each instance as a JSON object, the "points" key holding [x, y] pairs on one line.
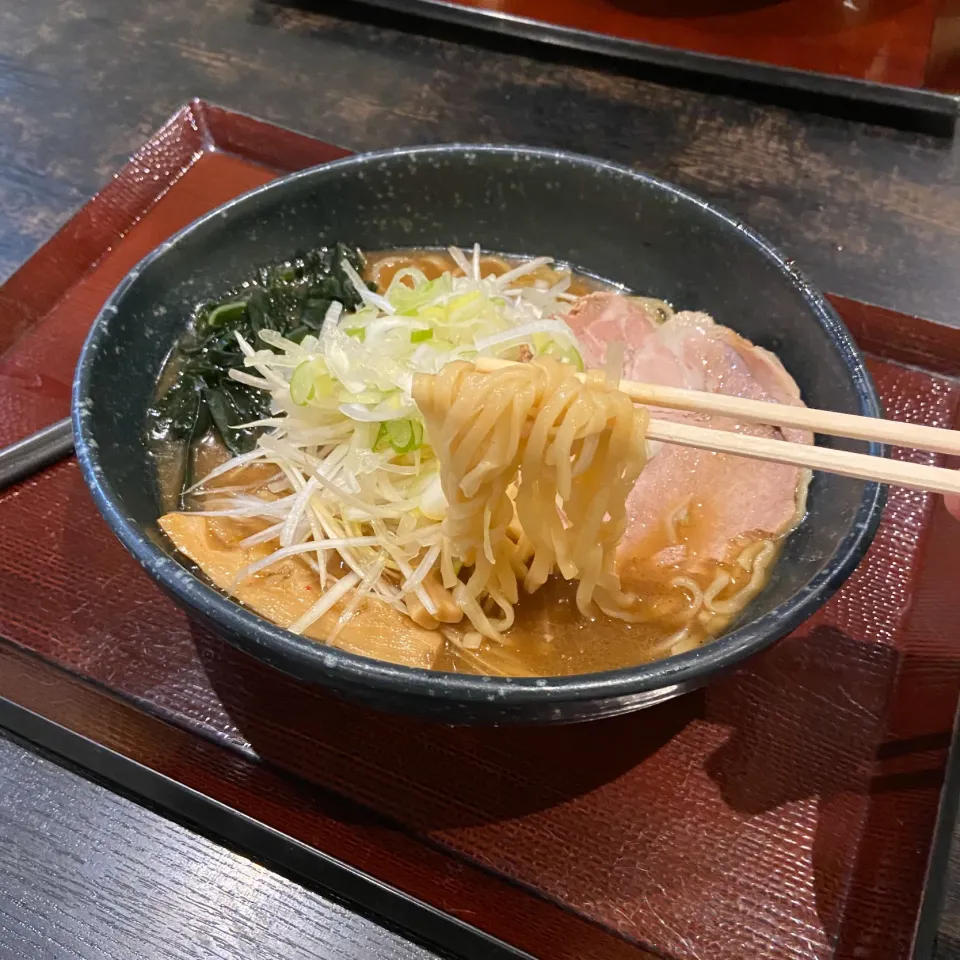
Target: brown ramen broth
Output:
{"points": [[382, 267], [693, 559]]}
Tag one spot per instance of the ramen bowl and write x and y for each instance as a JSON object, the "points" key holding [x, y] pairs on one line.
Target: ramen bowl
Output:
{"points": [[605, 220]]}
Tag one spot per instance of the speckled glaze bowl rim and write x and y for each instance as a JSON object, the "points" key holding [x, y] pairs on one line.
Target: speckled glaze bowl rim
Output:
{"points": [[338, 668]]}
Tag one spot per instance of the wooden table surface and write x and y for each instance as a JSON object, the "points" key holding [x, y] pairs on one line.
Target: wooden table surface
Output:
{"points": [[86, 873], [867, 211]]}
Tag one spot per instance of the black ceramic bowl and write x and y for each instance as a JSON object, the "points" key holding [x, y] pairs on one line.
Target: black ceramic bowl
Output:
{"points": [[605, 219]]}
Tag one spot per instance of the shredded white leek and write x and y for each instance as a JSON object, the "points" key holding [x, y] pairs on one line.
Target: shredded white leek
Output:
{"points": [[357, 475]]}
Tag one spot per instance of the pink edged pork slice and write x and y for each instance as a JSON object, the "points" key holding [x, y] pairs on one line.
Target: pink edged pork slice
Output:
{"points": [[723, 498]]}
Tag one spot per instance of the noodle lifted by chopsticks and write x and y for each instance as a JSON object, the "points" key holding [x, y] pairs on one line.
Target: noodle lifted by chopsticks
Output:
{"points": [[536, 467]]}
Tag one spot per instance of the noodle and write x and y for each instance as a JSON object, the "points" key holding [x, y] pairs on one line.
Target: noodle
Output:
{"points": [[758, 578], [720, 582], [693, 589], [572, 450], [678, 642]]}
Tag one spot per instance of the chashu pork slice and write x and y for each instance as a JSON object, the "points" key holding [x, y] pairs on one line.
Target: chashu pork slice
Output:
{"points": [[725, 498]]}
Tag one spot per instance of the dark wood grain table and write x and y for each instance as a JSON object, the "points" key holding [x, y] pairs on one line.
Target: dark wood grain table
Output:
{"points": [[868, 211], [86, 873]]}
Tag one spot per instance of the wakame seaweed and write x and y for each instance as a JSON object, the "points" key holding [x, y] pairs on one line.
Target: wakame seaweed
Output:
{"points": [[290, 297]]}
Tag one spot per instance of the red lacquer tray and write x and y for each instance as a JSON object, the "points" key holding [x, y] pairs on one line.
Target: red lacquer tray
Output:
{"points": [[786, 811], [900, 54]]}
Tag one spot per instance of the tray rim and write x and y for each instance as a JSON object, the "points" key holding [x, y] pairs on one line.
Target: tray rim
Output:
{"points": [[933, 894], [224, 824], [180, 801], [907, 104], [83, 730]]}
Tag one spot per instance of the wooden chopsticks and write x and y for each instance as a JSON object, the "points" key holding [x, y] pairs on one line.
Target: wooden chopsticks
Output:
{"points": [[863, 466], [859, 465], [827, 422]]}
